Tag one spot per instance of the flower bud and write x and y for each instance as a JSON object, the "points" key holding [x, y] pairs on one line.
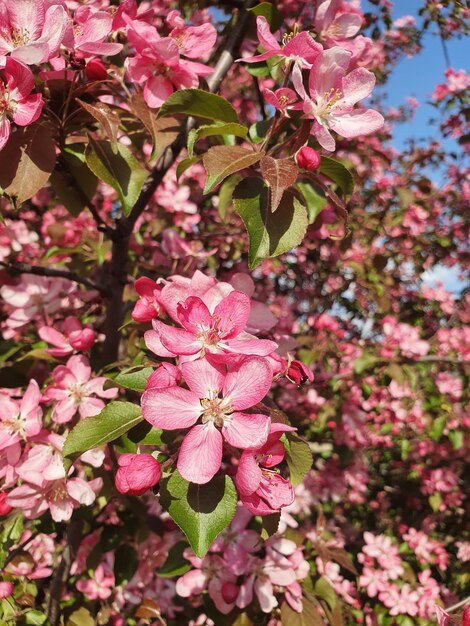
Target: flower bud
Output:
{"points": [[82, 339], [95, 70], [229, 592], [298, 372], [137, 473], [466, 617], [4, 507], [6, 589], [308, 159]]}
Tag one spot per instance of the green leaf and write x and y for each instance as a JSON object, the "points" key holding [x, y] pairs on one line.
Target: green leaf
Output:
{"points": [[125, 564], [121, 171], [201, 511], [363, 362], [133, 379], [299, 458], [234, 129], [81, 617], [272, 15], [186, 164], [270, 525], [258, 130], [176, 564], [456, 438], [221, 161], [226, 194], [72, 180], [34, 618], [270, 234], [27, 161], [435, 501], [280, 174], [314, 200], [147, 434], [199, 103], [163, 131], [113, 421], [324, 591], [338, 173], [437, 427]]}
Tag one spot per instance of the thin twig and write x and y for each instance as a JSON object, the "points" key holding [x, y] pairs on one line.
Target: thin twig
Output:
{"points": [[15, 267], [454, 607]]}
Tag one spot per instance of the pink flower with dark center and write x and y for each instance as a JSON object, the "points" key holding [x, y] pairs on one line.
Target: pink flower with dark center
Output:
{"points": [[219, 332], [31, 31], [262, 490], [333, 95], [281, 99], [217, 397], [16, 101], [74, 390]]}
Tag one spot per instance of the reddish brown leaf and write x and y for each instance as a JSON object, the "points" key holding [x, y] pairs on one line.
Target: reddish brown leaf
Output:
{"points": [[105, 115], [163, 130], [280, 174], [221, 161]]}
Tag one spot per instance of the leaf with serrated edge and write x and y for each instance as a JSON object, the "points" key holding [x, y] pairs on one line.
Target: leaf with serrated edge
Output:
{"points": [[113, 421], [105, 115], [133, 379], [280, 174], [221, 161], [270, 234], [212, 130], [201, 511]]}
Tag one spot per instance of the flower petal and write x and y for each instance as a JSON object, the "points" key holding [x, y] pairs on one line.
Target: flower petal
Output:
{"points": [[247, 383], [194, 315], [248, 475], [233, 313], [246, 431], [203, 378], [200, 454], [171, 408]]}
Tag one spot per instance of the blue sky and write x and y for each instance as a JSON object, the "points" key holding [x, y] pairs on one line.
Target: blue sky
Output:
{"points": [[418, 76]]}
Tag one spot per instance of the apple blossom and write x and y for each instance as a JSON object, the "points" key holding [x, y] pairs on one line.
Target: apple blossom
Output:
{"points": [[137, 473]]}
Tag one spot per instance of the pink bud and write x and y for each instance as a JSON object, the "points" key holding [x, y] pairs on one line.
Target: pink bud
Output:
{"points": [[137, 473], [95, 70], [166, 375], [466, 617], [4, 507], [298, 372], [6, 589], [229, 592], [82, 339], [308, 159]]}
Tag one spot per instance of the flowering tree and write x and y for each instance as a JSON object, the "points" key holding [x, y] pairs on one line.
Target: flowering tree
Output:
{"points": [[229, 394]]}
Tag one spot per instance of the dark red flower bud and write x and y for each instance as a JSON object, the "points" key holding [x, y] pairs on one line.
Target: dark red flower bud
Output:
{"points": [[95, 70], [137, 473], [308, 159], [298, 372], [4, 507], [229, 592]]}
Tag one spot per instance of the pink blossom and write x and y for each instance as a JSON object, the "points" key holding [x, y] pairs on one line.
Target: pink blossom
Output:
{"points": [[333, 25], [90, 30], [443, 618], [74, 390], [6, 589], [101, 586], [261, 489], [4, 507], [20, 420], [218, 397], [74, 336], [400, 600], [333, 94], [137, 473], [16, 101], [193, 41], [298, 49], [43, 462], [281, 99], [31, 32], [61, 497], [158, 65], [219, 332], [298, 373], [36, 561]]}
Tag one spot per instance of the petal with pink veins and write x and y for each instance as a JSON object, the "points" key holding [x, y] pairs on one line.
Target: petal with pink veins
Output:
{"points": [[194, 315], [357, 123], [232, 313], [203, 378], [248, 475], [356, 86], [178, 340], [245, 431], [171, 409], [247, 383], [200, 455]]}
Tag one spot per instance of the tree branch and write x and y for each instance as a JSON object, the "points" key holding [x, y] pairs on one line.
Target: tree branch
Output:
{"points": [[15, 267], [125, 225]]}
